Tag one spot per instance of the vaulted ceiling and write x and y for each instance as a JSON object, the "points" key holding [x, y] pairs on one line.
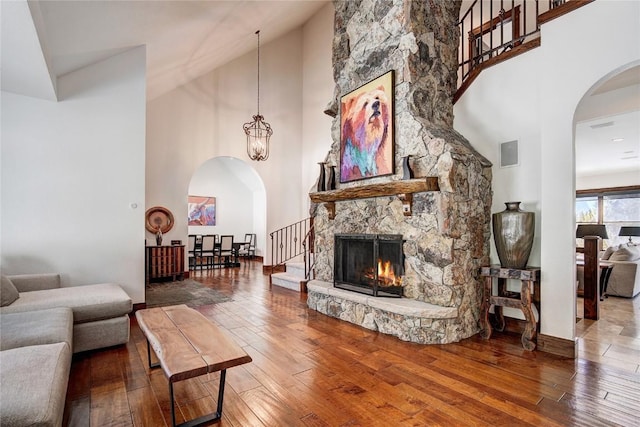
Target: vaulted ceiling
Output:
{"points": [[42, 40], [183, 39]]}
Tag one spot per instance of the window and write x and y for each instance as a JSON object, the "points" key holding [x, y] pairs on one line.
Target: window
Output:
{"points": [[587, 210], [612, 207]]}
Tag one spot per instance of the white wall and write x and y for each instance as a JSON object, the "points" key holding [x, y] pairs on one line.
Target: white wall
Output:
{"points": [[70, 172], [204, 119], [622, 179], [533, 98], [225, 178], [317, 92]]}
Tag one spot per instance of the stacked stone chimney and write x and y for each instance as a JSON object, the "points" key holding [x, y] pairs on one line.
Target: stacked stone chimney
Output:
{"points": [[447, 235]]}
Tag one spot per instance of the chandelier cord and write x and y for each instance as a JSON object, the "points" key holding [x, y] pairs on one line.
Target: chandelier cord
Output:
{"points": [[258, 33]]}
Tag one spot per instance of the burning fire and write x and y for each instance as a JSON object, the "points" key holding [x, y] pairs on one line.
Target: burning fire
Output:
{"points": [[386, 276]]}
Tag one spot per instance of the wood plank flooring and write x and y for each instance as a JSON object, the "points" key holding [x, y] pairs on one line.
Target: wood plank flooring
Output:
{"points": [[312, 370]]}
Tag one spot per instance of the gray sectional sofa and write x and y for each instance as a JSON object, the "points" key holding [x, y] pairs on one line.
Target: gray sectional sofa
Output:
{"points": [[35, 359], [41, 325], [625, 276]]}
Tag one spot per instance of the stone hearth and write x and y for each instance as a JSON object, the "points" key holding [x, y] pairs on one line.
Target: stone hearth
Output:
{"points": [[447, 234]]}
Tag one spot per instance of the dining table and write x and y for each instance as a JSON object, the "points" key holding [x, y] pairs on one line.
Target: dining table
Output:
{"points": [[236, 251]]}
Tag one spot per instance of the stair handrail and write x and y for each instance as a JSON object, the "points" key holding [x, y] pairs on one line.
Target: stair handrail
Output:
{"points": [[291, 241], [473, 26]]}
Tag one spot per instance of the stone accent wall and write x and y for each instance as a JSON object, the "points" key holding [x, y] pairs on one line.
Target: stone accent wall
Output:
{"points": [[447, 237]]}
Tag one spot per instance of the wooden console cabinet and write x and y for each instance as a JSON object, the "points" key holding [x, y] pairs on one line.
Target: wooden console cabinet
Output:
{"points": [[164, 262]]}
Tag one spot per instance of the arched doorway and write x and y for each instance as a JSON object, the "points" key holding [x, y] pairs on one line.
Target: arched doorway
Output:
{"points": [[607, 167], [240, 199]]}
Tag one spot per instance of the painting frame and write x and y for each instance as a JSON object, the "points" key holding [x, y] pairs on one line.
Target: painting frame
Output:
{"points": [[201, 211], [367, 132]]}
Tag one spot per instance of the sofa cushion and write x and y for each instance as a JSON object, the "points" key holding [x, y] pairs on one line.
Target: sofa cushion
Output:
{"points": [[8, 292], [607, 253], [34, 384], [89, 303], [625, 253], [36, 327]]}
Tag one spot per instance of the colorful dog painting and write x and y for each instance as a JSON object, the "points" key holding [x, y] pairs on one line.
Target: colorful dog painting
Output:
{"points": [[366, 131]]}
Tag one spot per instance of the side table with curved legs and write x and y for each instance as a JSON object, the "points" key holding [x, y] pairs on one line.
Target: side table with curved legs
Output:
{"points": [[529, 294]]}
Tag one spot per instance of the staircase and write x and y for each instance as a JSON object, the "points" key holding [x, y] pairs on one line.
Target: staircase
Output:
{"points": [[292, 251], [292, 278], [492, 31]]}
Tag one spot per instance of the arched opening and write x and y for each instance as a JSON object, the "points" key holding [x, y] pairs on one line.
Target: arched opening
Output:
{"points": [[240, 199], [607, 182]]}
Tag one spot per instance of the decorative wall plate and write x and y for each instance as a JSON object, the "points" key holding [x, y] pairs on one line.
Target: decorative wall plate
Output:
{"points": [[158, 216]]}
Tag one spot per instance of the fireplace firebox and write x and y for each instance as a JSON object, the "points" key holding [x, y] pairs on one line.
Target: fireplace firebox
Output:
{"points": [[371, 264]]}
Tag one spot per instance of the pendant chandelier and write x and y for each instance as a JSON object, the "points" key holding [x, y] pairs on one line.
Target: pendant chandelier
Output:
{"points": [[258, 131]]}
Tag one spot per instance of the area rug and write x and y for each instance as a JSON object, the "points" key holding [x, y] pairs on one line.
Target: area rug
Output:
{"points": [[186, 291]]}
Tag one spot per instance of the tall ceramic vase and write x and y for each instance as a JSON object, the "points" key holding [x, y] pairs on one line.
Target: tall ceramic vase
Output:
{"points": [[407, 172], [331, 185], [321, 179], [513, 234]]}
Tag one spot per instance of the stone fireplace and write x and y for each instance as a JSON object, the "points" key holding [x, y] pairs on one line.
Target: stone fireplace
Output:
{"points": [[443, 215]]}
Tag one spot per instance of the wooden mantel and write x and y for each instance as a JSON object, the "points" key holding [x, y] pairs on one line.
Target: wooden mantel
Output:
{"points": [[403, 189]]}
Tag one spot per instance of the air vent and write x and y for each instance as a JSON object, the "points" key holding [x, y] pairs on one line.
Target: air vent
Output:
{"points": [[602, 125], [509, 154]]}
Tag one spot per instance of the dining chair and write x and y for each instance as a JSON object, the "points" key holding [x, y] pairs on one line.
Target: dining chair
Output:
{"points": [[191, 248], [207, 253], [197, 252], [224, 250], [248, 250]]}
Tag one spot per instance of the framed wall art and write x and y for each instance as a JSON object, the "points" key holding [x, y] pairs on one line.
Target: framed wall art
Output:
{"points": [[366, 130], [202, 210]]}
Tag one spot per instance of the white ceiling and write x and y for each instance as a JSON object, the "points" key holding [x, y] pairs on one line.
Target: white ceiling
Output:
{"points": [[608, 128], [608, 144], [186, 39]]}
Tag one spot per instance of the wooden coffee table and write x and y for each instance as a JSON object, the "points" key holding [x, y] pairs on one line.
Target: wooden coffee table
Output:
{"points": [[188, 345]]}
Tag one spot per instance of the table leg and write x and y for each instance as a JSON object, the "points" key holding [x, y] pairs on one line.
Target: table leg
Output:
{"points": [[500, 323], [155, 365], [223, 375], [484, 310], [205, 419], [604, 279], [529, 334]]}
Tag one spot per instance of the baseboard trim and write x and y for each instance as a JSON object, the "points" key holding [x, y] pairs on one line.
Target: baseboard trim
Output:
{"points": [[139, 306], [545, 343], [268, 269], [558, 346]]}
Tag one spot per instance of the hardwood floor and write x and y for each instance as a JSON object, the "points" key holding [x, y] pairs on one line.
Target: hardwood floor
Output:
{"points": [[312, 370]]}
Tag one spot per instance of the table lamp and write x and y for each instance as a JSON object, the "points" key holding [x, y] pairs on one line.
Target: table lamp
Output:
{"points": [[629, 231], [598, 230]]}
